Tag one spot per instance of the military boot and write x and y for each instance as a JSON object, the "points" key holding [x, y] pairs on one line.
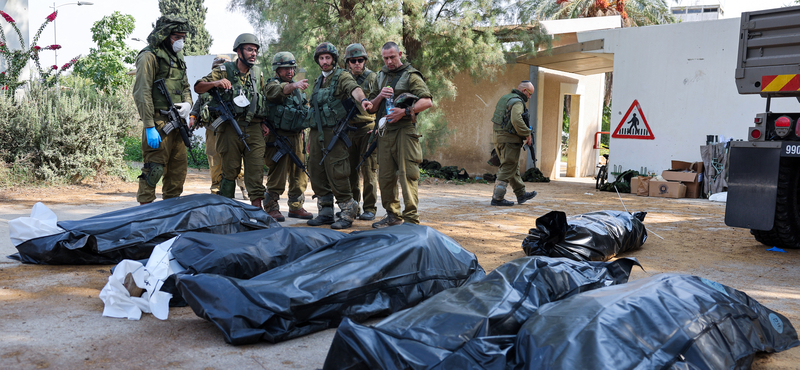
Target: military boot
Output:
{"points": [[240, 182], [347, 216], [256, 203], [498, 197], [273, 208], [227, 188], [389, 220], [325, 216], [525, 196], [298, 211]]}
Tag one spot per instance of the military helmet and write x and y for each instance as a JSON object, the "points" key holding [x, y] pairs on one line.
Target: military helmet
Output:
{"points": [[219, 59], [283, 59], [355, 51], [164, 26], [405, 100], [246, 38], [326, 48]]}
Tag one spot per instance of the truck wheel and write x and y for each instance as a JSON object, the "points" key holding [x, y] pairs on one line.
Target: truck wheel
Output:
{"points": [[785, 232]]}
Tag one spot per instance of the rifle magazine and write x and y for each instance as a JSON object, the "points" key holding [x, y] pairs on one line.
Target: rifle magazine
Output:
{"points": [[216, 123]]}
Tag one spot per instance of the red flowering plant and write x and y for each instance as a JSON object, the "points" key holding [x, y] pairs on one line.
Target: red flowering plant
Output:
{"points": [[16, 60]]}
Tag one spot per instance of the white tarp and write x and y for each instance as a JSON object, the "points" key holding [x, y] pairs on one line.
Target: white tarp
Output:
{"points": [[116, 297], [42, 222]]}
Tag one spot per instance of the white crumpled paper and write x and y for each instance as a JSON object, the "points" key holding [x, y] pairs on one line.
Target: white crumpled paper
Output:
{"points": [[118, 301], [41, 223]]}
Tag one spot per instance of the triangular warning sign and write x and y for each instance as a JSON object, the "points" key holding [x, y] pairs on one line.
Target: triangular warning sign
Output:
{"points": [[631, 127]]}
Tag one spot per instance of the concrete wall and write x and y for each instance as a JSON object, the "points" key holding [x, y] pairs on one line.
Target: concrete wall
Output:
{"points": [[470, 114], [683, 77]]}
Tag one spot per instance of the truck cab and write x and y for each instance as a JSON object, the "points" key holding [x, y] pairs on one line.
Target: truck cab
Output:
{"points": [[764, 171]]}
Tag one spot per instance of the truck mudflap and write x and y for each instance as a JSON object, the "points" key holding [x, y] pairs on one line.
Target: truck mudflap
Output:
{"points": [[752, 184]]}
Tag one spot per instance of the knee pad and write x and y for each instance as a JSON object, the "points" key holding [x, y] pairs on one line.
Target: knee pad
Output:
{"points": [[499, 190], [152, 177], [227, 188]]}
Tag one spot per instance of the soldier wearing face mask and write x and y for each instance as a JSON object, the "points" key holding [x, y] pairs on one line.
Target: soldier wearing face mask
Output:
{"points": [[164, 154]]}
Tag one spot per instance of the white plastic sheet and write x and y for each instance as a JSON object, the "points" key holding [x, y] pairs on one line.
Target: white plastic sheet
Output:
{"points": [[42, 222], [719, 197], [118, 301]]}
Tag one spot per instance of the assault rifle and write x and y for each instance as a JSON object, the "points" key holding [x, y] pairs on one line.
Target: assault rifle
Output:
{"points": [[284, 147], [340, 133], [526, 117], [174, 118], [373, 144], [225, 114]]}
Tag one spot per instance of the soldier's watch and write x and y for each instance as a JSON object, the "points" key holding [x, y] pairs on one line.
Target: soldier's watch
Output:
{"points": [[408, 111]]}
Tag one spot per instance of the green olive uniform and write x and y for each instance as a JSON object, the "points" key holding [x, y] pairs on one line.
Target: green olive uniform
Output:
{"points": [[287, 114], [169, 160], [203, 118], [231, 150], [399, 151], [510, 132], [332, 177], [364, 123]]}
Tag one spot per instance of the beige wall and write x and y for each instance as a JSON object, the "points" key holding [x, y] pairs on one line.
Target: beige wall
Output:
{"points": [[470, 114]]}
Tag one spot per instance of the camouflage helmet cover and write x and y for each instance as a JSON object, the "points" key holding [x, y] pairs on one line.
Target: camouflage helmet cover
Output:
{"points": [[355, 51], [165, 26], [283, 59], [326, 48], [246, 38], [405, 100]]}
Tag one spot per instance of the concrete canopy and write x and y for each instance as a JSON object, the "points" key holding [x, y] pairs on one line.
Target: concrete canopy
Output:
{"points": [[568, 55], [574, 58]]}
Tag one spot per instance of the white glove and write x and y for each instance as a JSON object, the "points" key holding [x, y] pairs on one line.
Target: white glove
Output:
{"points": [[184, 109]]}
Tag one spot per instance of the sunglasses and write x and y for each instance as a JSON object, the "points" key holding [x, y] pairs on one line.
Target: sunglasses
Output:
{"points": [[358, 60]]}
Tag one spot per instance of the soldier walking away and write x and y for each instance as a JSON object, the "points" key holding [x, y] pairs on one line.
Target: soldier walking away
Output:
{"points": [[164, 154], [399, 151], [240, 84], [288, 108], [330, 177], [510, 131], [201, 116], [355, 60]]}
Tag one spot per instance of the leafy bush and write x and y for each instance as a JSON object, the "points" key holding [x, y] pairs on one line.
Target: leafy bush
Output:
{"points": [[66, 136], [132, 151]]}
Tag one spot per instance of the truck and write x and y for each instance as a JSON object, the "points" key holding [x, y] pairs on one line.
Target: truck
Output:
{"points": [[764, 170]]}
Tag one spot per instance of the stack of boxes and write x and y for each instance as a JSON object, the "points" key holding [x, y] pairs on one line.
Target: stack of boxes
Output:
{"points": [[681, 181]]}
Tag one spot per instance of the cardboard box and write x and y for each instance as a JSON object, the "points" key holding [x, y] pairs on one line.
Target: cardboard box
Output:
{"points": [[692, 189], [635, 183], [688, 173], [667, 189]]}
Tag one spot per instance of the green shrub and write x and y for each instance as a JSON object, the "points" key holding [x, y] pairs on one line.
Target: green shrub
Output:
{"points": [[68, 135]]}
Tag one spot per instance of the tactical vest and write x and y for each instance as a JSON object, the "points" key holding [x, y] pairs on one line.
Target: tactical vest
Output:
{"points": [[400, 84], [291, 115], [331, 110], [258, 108], [360, 119], [502, 112], [172, 69]]}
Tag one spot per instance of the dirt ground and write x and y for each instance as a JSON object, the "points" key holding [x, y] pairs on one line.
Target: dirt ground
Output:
{"points": [[51, 316]]}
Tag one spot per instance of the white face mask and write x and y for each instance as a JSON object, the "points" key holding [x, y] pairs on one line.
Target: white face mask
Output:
{"points": [[177, 46]]}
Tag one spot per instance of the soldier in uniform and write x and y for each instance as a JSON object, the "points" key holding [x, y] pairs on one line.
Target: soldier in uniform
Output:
{"points": [[327, 109], [201, 116], [164, 154], [399, 152], [288, 108], [510, 132], [240, 83], [355, 59]]}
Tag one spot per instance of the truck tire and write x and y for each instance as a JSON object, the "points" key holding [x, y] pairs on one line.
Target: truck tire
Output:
{"points": [[785, 232]]}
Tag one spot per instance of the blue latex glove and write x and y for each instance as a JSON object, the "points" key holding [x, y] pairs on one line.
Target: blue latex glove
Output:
{"points": [[153, 138]]}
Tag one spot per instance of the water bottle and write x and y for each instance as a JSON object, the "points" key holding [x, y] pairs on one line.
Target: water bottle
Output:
{"points": [[389, 104]]}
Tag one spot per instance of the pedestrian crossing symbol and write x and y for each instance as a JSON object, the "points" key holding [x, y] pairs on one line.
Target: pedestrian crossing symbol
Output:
{"points": [[633, 125]]}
